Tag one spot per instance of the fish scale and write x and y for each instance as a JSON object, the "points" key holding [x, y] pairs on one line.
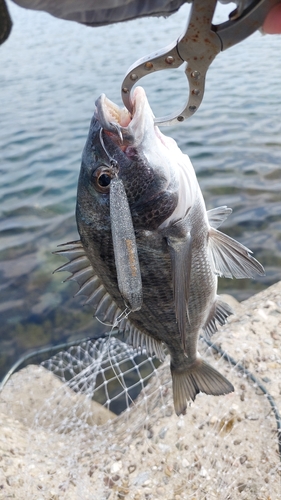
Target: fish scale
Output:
{"points": [[179, 250]]}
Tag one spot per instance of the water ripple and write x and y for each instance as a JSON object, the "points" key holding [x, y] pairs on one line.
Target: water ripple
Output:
{"points": [[51, 73]]}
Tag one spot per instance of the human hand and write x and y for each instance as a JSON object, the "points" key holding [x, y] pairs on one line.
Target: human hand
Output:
{"points": [[272, 23]]}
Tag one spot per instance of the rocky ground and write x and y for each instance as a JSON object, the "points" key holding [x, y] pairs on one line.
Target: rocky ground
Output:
{"points": [[55, 444]]}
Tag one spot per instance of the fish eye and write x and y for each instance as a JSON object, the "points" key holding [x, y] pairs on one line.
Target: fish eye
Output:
{"points": [[102, 178]]}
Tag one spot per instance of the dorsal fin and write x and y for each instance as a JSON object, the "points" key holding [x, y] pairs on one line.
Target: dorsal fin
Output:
{"points": [[140, 340], [230, 259], [89, 283], [104, 306]]}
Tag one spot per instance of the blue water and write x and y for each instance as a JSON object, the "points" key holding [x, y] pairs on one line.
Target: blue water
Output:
{"points": [[51, 73]]}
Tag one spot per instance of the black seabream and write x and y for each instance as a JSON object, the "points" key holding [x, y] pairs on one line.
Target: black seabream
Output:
{"points": [[149, 253]]}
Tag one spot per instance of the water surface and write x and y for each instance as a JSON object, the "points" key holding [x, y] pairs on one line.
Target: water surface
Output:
{"points": [[51, 73]]}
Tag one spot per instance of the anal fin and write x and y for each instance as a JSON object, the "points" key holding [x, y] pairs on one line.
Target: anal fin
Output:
{"points": [[218, 314]]}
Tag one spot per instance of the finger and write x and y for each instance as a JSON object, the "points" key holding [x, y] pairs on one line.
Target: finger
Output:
{"points": [[272, 23]]}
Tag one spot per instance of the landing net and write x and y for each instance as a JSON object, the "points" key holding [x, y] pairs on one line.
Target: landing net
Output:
{"points": [[73, 445]]}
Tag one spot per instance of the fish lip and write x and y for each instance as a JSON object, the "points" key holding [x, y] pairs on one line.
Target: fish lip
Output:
{"points": [[120, 123], [109, 114]]}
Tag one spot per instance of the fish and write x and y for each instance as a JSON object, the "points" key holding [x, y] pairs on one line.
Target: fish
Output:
{"points": [[170, 247]]}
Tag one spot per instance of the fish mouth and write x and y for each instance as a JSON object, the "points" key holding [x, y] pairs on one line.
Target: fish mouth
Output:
{"points": [[118, 122]]}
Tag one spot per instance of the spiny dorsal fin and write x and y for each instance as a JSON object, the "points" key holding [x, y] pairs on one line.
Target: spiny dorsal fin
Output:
{"points": [[89, 283], [217, 216], [105, 308], [218, 314], [230, 259]]}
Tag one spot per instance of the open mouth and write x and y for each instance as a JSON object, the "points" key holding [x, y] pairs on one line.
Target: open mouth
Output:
{"points": [[119, 121], [113, 114]]}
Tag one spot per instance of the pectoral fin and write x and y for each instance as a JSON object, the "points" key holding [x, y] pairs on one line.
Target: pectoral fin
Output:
{"points": [[230, 259], [180, 252]]}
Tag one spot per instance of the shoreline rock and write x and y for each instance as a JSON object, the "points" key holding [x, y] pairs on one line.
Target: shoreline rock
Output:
{"points": [[224, 447]]}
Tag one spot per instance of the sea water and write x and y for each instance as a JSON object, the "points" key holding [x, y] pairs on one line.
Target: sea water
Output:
{"points": [[51, 73]]}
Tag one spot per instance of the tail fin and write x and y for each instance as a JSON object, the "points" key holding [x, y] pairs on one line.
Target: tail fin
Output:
{"points": [[198, 377]]}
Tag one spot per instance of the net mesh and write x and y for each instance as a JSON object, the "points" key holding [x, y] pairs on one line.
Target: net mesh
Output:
{"points": [[107, 371], [71, 444]]}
